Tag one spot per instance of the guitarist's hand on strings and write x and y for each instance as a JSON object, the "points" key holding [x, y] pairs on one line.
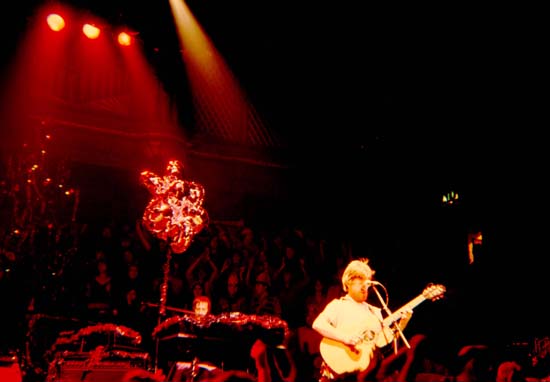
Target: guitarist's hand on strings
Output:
{"points": [[353, 340]]}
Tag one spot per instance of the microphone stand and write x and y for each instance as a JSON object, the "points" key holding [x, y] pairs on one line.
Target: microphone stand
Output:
{"points": [[162, 300], [394, 323]]}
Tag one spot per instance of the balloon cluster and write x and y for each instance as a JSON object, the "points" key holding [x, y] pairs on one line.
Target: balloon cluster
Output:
{"points": [[175, 212]]}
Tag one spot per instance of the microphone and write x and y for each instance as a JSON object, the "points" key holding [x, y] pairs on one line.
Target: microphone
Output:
{"points": [[373, 282]]}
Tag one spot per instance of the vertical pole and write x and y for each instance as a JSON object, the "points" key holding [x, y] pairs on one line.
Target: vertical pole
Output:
{"points": [[162, 301]]}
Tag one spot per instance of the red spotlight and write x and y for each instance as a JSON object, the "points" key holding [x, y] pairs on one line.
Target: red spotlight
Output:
{"points": [[91, 31], [124, 39], [55, 22]]}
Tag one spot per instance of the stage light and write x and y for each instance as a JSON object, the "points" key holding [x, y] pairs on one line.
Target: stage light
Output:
{"points": [[124, 39], [91, 31], [55, 22]]}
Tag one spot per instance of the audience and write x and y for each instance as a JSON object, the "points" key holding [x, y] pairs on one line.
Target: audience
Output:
{"points": [[234, 268]]}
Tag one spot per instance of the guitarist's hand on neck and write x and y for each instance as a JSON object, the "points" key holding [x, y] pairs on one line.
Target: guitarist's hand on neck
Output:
{"points": [[405, 318]]}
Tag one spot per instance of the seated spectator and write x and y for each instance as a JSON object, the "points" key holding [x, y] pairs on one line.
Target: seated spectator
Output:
{"points": [[231, 298], [262, 300]]}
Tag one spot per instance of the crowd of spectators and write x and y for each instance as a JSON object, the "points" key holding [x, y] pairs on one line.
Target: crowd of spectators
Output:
{"points": [[58, 279], [76, 275]]}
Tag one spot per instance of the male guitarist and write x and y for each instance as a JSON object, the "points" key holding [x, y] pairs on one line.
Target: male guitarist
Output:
{"points": [[353, 330]]}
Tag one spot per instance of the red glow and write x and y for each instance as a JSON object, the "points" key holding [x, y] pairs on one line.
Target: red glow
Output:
{"points": [[55, 22], [67, 90], [91, 31], [124, 39]]}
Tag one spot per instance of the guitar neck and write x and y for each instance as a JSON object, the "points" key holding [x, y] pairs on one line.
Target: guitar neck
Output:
{"points": [[408, 306]]}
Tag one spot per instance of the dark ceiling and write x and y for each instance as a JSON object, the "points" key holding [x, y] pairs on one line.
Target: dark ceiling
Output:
{"points": [[351, 74], [432, 96]]}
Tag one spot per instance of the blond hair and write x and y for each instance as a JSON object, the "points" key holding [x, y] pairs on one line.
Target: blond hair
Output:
{"points": [[356, 269]]}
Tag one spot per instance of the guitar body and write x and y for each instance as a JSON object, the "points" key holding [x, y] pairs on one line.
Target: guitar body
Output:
{"points": [[346, 359]]}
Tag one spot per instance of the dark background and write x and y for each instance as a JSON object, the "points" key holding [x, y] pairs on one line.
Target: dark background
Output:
{"points": [[383, 110]]}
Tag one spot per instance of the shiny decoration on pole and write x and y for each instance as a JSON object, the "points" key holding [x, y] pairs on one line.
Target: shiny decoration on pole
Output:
{"points": [[175, 212]]}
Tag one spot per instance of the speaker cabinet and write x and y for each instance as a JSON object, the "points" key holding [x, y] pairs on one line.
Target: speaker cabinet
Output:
{"points": [[78, 371]]}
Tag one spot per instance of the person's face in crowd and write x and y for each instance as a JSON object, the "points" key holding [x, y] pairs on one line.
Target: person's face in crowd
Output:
{"points": [[260, 288], [101, 266], [197, 290], [131, 296], [107, 232], [223, 237], [290, 252], [128, 256], [133, 272], [287, 277], [236, 258], [232, 285], [318, 286], [214, 243]]}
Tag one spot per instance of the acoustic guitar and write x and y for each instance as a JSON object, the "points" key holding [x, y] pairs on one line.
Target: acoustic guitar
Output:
{"points": [[342, 358]]}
